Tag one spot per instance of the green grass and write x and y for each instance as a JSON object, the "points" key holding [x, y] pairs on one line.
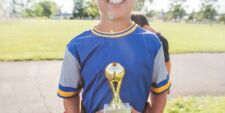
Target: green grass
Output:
{"points": [[186, 38], [37, 39], [46, 39], [196, 105]]}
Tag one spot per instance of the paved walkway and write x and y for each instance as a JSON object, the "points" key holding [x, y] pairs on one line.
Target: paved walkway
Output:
{"points": [[198, 74], [30, 87]]}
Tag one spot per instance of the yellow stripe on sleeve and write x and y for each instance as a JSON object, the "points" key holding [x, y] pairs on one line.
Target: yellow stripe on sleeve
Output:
{"points": [[161, 89], [66, 94]]}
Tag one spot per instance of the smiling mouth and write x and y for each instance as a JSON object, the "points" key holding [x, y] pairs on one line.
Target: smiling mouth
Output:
{"points": [[115, 2]]}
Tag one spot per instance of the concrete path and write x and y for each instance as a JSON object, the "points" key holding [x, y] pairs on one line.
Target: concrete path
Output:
{"points": [[30, 87], [198, 74]]}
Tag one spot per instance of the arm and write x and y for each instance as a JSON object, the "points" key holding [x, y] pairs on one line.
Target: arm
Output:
{"points": [[168, 66], [158, 102], [70, 83], [72, 105], [160, 85]]}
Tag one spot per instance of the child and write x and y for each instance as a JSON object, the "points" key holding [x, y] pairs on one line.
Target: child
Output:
{"points": [[115, 39], [142, 21]]}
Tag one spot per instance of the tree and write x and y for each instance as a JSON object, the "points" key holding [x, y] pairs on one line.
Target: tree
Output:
{"points": [[150, 13], [140, 4], [208, 12], [208, 2], [177, 2], [1, 7], [28, 3], [91, 10], [42, 9], [85, 9], [48, 8], [1, 4], [16, 8], [191, 16], [222, 18], [79, 9], [176, 12]]}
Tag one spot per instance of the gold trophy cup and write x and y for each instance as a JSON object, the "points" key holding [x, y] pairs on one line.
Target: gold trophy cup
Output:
{"points": [[115, 72]]}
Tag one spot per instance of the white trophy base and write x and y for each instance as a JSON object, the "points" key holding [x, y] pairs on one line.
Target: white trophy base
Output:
{"points": [[126, 108]]}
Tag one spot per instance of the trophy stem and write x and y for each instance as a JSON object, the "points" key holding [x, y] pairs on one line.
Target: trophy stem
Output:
{"points": [[113, 89], [117, 102], [115, 72], [119, 87]]}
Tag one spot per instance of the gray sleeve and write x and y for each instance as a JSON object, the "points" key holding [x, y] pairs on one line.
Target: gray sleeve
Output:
{"points": [[70, 81], [160, 78]]}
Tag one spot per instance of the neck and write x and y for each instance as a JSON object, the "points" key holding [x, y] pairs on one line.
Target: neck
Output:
{"points": [[110, 26]]}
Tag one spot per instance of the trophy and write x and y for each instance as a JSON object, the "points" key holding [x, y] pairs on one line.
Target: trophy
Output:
{"points": [[115, 72]]}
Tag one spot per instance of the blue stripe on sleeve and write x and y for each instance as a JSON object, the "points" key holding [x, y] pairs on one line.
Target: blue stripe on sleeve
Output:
{"points": [[164, 82], [68, 89]]}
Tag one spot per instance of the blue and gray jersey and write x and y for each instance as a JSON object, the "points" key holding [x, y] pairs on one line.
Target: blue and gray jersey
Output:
{"points": [[87, 55]]}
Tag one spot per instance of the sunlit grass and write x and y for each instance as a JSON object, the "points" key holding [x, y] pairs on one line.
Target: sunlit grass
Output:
{"points": [[185, 38], [46, 39], [196, 105]]}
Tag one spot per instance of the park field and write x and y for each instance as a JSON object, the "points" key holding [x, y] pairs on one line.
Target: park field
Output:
{"points": [[46, 39], [208, 104]]}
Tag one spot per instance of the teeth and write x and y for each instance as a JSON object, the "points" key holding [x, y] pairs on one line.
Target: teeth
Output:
{"points": [[115, 1]]}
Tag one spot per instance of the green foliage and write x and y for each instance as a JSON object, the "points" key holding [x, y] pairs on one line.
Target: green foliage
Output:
{"points": [[199, 16], [48, 8], [1, 7], [150, 13], [208, 2], [208, 12], [222, 18], [41, 9], [84, 9], [191, 16], [139, 5], [176, 12], [78, 10], [92, 10], [176, 2], [196, 105]]}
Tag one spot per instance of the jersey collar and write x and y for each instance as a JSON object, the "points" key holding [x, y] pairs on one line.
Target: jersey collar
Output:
{"points": [[125, 32]]}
